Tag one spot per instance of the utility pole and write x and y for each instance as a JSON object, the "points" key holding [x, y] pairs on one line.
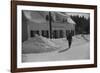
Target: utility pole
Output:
{"points": [[50, 24]]}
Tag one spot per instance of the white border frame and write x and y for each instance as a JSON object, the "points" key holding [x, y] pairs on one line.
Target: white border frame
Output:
{"points": [[56, 63]]}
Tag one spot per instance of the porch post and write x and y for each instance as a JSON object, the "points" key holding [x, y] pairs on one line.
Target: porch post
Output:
{"points": [[50, 24]]}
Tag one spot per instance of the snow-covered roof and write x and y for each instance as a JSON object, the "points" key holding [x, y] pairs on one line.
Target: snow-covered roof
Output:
{"points": [[65, 16], [40, 16], [69, 20], [35, 16]]}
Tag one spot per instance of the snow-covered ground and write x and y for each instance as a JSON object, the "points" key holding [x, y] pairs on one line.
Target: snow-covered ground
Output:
{"points": [[43, 49]]}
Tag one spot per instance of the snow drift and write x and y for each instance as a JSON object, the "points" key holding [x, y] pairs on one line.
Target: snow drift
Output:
{"points": [[39, 44]]}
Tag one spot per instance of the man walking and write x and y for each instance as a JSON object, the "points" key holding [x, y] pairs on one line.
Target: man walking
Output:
{"points": [[69, 38]]}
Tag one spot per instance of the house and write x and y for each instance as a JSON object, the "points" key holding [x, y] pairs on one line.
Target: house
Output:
{"points": [[38, 22]]}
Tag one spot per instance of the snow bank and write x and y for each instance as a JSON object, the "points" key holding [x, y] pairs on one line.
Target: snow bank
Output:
{"points": [[40, 44]]}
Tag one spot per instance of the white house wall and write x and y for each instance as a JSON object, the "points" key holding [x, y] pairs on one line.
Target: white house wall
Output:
{"points": [[45, 26]]}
